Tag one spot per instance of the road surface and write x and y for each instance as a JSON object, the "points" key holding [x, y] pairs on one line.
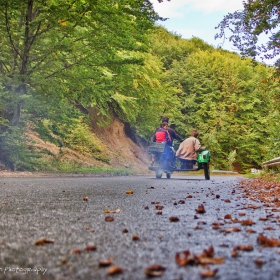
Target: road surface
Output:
{"points": [[151, 221]]}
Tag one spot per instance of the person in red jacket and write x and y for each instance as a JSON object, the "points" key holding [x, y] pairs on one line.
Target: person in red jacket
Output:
{"points": [[162, 134]]}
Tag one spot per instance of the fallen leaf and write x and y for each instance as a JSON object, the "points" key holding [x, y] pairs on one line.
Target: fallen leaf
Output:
{"points": [[158, 207], [241, 214], [114, 270], [109, 219], [63, 261], [159, 213], [125, 230], [135, 237], [269, 228], [248, 247], [189, 196], [43, 241], [129, 192], [227, 216], [234, 253], [200, 209], [209, 273], [105, 262], [90, 248], [181, 202], [182, 258], [227, 200], [85, 198], [75, 251], [155, 270], [259, 262], [247, 222], [112, 211], [173, 219], [267, 242]]}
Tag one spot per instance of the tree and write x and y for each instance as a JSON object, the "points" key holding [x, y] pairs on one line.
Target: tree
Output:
{"points": [[258, 21], [68, 48]]}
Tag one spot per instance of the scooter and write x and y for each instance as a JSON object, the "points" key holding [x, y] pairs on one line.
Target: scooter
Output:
{"points": [[163, 160]]}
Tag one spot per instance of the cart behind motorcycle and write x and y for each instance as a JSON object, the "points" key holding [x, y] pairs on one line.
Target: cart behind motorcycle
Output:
{"points": [[164, 160]]}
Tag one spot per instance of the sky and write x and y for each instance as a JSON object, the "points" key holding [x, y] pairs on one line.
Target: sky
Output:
{"points": [[197, 18]]}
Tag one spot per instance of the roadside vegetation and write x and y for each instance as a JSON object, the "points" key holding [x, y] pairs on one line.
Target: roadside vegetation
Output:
{"points": [[66, 65]]}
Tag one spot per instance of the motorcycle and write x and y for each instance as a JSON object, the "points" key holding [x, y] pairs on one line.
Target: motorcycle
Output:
{"points": [[163, 160]]}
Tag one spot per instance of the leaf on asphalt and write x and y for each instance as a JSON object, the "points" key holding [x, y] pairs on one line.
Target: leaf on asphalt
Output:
{"points": [[197, 228], [105, 262], [229, 230], [189, 196], [4, 202], [263, 218], [129, 192], [109, 219], [253, 206], [248, 247], [208, 260], [259, 262], [234, 253], [208, 273], [227, 216], [234, 220], [181, 201], [182, 258], [173, 219], [269, 228], [158, 207], [241, 214], [250, 230], [112, 211], [125, 230], [200, 209], [247, 222], [114, 270], [267, 242], [43, 241], [90, 248], [75, 251], [63, 261], [227, 200], [135, 237], [209, 252], [217, 196], [159, 213], [154, 202], [154, 270], [85, 198]]}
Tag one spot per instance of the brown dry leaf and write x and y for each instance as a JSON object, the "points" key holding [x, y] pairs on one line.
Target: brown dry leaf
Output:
{"points": [[269, 228], [208, 260], [85, 198], [217, 196], [182, 258], [90, 248], [197, 228], [109, 219], [250, 230], [129, 192], [159, 213], [155, 270], [135, 237], [63, 261], [209, 273], [227, 216], [247, 222], [4, 202], [189, 196], [200, 209], [234, 253], [231, 230], [173, 219], [112, 211], [105, 262], [158, 207], [114, 270], [263, 218], [181, 201], [259, 262], [241, 214], [267, 242], [248, 247], [43, 241], [154, 202], [75, 251], [227, 200], [209, 252]]}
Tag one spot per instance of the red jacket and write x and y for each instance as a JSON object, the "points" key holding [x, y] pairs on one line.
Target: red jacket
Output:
{"points": [[162, 135]]}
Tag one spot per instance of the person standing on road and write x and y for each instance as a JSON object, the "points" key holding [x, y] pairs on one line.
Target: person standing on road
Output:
{"points": [[187, 152]]}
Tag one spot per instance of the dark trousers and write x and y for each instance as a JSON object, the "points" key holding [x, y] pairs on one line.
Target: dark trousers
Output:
{"points": [[187, 164]]}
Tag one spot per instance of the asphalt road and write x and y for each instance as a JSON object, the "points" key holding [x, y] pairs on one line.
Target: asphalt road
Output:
{"points": [[69, 213]]}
